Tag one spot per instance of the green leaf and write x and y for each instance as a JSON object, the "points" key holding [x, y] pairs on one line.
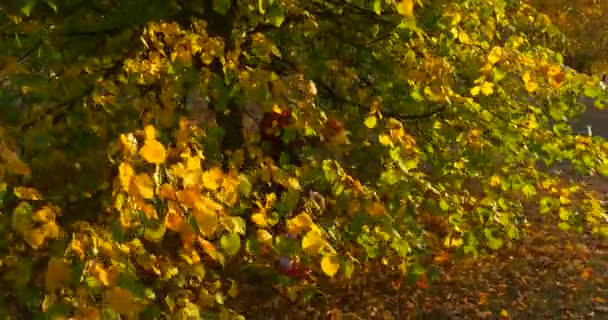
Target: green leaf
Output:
{"points": [[528, 190], [222, 6], [231, 243], [493, 243], [275, 15], [378, 7]]}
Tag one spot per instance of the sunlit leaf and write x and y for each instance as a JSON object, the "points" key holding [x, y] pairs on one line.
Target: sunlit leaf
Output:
{"points": [[236, 225], [300, 223], [212, 178], [153, 152], [370, 122], [313, 241], [231, 243], [207, 220], [405, 7], [144, 185], [330, 264]]}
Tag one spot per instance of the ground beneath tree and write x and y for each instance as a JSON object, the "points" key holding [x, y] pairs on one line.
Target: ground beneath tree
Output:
{"points": [[551, 274]]}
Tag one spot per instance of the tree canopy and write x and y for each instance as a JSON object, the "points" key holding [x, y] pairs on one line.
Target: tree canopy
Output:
{"points": [[155, 154]]}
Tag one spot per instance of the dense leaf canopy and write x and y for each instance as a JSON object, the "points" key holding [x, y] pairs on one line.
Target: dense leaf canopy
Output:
{"points": [[155, 153]]}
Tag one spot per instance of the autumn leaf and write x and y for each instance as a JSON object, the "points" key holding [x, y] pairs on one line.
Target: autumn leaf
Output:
{"points": [[376, 209], [405, 7], [300, 223], [212, 178], [313, 241], [264, 236], [125, 174], [189, 197], [206, 219], [122, 301], [150, 132], [330, 264], [370, 122], [236, 225], [24, 193], [144, 186], [35, 237], [58, 273], [153, 152]]}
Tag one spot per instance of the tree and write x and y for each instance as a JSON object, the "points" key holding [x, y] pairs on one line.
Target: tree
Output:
{"points": [[584, 26], [152, 154]]}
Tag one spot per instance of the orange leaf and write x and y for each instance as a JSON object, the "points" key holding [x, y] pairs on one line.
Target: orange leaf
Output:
{"points": [[376, 209], [422, 282], [153, 152], [586, 273], [166, 192], [174, 220], [189, 197]]}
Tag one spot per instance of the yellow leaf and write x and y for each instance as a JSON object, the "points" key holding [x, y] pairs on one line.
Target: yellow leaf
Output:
{"points": [[260, 218], [330, 265], [531, 86], [78, 247], [24, 193], [475, 91], [299, 224], [153, 152], [504, 313], [45, 214], [384, 139], [370, 122], [405, 7], [125, 174], [57, 274], [207, 220], [51, 230], [121, 301], [487, 88], [264, 236], [463, 37], [313, 241], [144, 186], [495, 181], [495, 55], [34, 237], [150, 132], [526, 77], [212, 178]]}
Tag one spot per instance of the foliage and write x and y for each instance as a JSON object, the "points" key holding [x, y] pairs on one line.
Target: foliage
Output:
{"points": [[157, 156], [584, 24]]}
